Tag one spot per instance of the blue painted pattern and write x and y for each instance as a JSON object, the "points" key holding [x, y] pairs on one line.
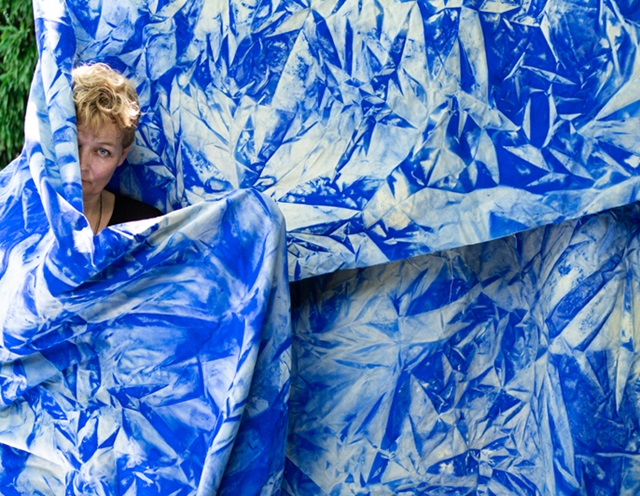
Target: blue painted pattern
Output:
{"points": [[380, 127], [456, 160], [508, 367], [165, 371]]}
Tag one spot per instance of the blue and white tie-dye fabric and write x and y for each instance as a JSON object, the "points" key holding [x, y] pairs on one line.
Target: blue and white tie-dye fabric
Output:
{"points": [[508, 367], [164, 371], [419, 135], [151, 359], [383, 129]]}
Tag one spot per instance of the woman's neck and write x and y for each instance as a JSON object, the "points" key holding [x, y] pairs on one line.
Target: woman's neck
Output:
{"points": [[91, 204], [94, 210], [98, 210]]}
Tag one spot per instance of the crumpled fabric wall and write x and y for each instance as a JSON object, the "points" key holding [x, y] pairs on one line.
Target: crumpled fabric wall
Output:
{"points": [[508, 367], [381, 127], [417, 135]]}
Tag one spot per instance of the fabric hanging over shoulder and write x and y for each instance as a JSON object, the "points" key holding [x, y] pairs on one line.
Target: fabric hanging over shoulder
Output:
{"points": [[165, 371], [152, 358]]}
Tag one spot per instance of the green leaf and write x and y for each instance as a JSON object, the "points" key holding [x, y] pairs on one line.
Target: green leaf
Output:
{"points": [[18, 58]]}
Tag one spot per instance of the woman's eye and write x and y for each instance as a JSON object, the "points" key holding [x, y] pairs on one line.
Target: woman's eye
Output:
{"points": [[103, 153]]}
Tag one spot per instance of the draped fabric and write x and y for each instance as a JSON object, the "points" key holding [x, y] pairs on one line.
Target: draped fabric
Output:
{"points": [[507, 367], [457, 180], [164, 371]]}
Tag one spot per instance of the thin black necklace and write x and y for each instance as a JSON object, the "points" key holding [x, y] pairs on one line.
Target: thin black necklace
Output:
{"points": [[97, 229]]}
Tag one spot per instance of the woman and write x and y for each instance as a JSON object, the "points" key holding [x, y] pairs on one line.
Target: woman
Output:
{"points": [[107, 115]]}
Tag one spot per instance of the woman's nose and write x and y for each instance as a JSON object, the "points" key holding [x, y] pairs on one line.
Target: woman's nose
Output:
{"points": [[84, 159]]}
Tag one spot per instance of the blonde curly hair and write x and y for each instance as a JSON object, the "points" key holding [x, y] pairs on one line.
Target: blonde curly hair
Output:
{"points": [[100, 95]]}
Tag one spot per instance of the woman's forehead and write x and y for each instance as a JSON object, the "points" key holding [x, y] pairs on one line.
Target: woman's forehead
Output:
{"points": [[105, 131]]}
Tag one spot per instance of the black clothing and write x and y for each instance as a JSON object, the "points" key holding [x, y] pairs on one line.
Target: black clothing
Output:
{"points": [[127, 209]]}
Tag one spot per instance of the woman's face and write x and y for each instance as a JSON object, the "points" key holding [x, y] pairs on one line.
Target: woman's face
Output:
{"points": [[100, 155]]}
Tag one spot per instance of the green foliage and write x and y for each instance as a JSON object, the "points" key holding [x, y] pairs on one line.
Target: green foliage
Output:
{"points": [[18, 57]]}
